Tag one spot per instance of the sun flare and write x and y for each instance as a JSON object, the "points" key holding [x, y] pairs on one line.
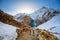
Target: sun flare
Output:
{"points": [[26, 9]]}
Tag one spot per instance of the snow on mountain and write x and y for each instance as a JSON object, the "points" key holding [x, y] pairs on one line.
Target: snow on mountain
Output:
{"points": [[7, 32], [57, 30], [37, 13], [54, 22], [20, 14]]}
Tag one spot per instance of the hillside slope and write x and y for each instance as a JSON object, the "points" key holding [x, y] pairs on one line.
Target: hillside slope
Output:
{"points": [[24, 31]]}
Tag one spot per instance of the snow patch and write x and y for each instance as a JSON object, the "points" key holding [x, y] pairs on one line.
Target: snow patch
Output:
{"points": [[7, 32]]}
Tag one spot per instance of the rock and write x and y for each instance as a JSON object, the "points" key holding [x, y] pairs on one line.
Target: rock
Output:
{"points": [[34, 34]]}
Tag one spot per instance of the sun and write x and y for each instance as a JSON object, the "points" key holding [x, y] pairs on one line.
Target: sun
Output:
{"points": [[26, 9]]}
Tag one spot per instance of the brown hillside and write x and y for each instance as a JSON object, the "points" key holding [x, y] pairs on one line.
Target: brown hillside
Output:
{"points": [[26, 32], [8, 19]]}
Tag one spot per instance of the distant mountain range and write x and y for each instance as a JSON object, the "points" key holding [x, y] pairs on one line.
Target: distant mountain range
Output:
{"points": [[41, 15]]}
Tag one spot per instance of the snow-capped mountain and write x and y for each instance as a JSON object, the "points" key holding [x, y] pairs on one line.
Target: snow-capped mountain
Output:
{"points": [[40, 16], [20, 14], [37, 13]]}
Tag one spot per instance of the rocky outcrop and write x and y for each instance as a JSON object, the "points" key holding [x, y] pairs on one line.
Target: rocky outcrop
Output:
{"points": [[25, 19], [8, 19], [25, 32], [35, 34]]}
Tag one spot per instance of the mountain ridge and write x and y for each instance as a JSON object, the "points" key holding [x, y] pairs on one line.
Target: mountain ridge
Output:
{"points": [[40, 16], [26, 32]]}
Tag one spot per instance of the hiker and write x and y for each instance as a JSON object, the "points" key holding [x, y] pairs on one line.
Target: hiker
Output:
{"points": [[32, 23]]}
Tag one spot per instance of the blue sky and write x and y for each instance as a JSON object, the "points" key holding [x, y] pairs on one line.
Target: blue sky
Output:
{"points": [[12, 6]]}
